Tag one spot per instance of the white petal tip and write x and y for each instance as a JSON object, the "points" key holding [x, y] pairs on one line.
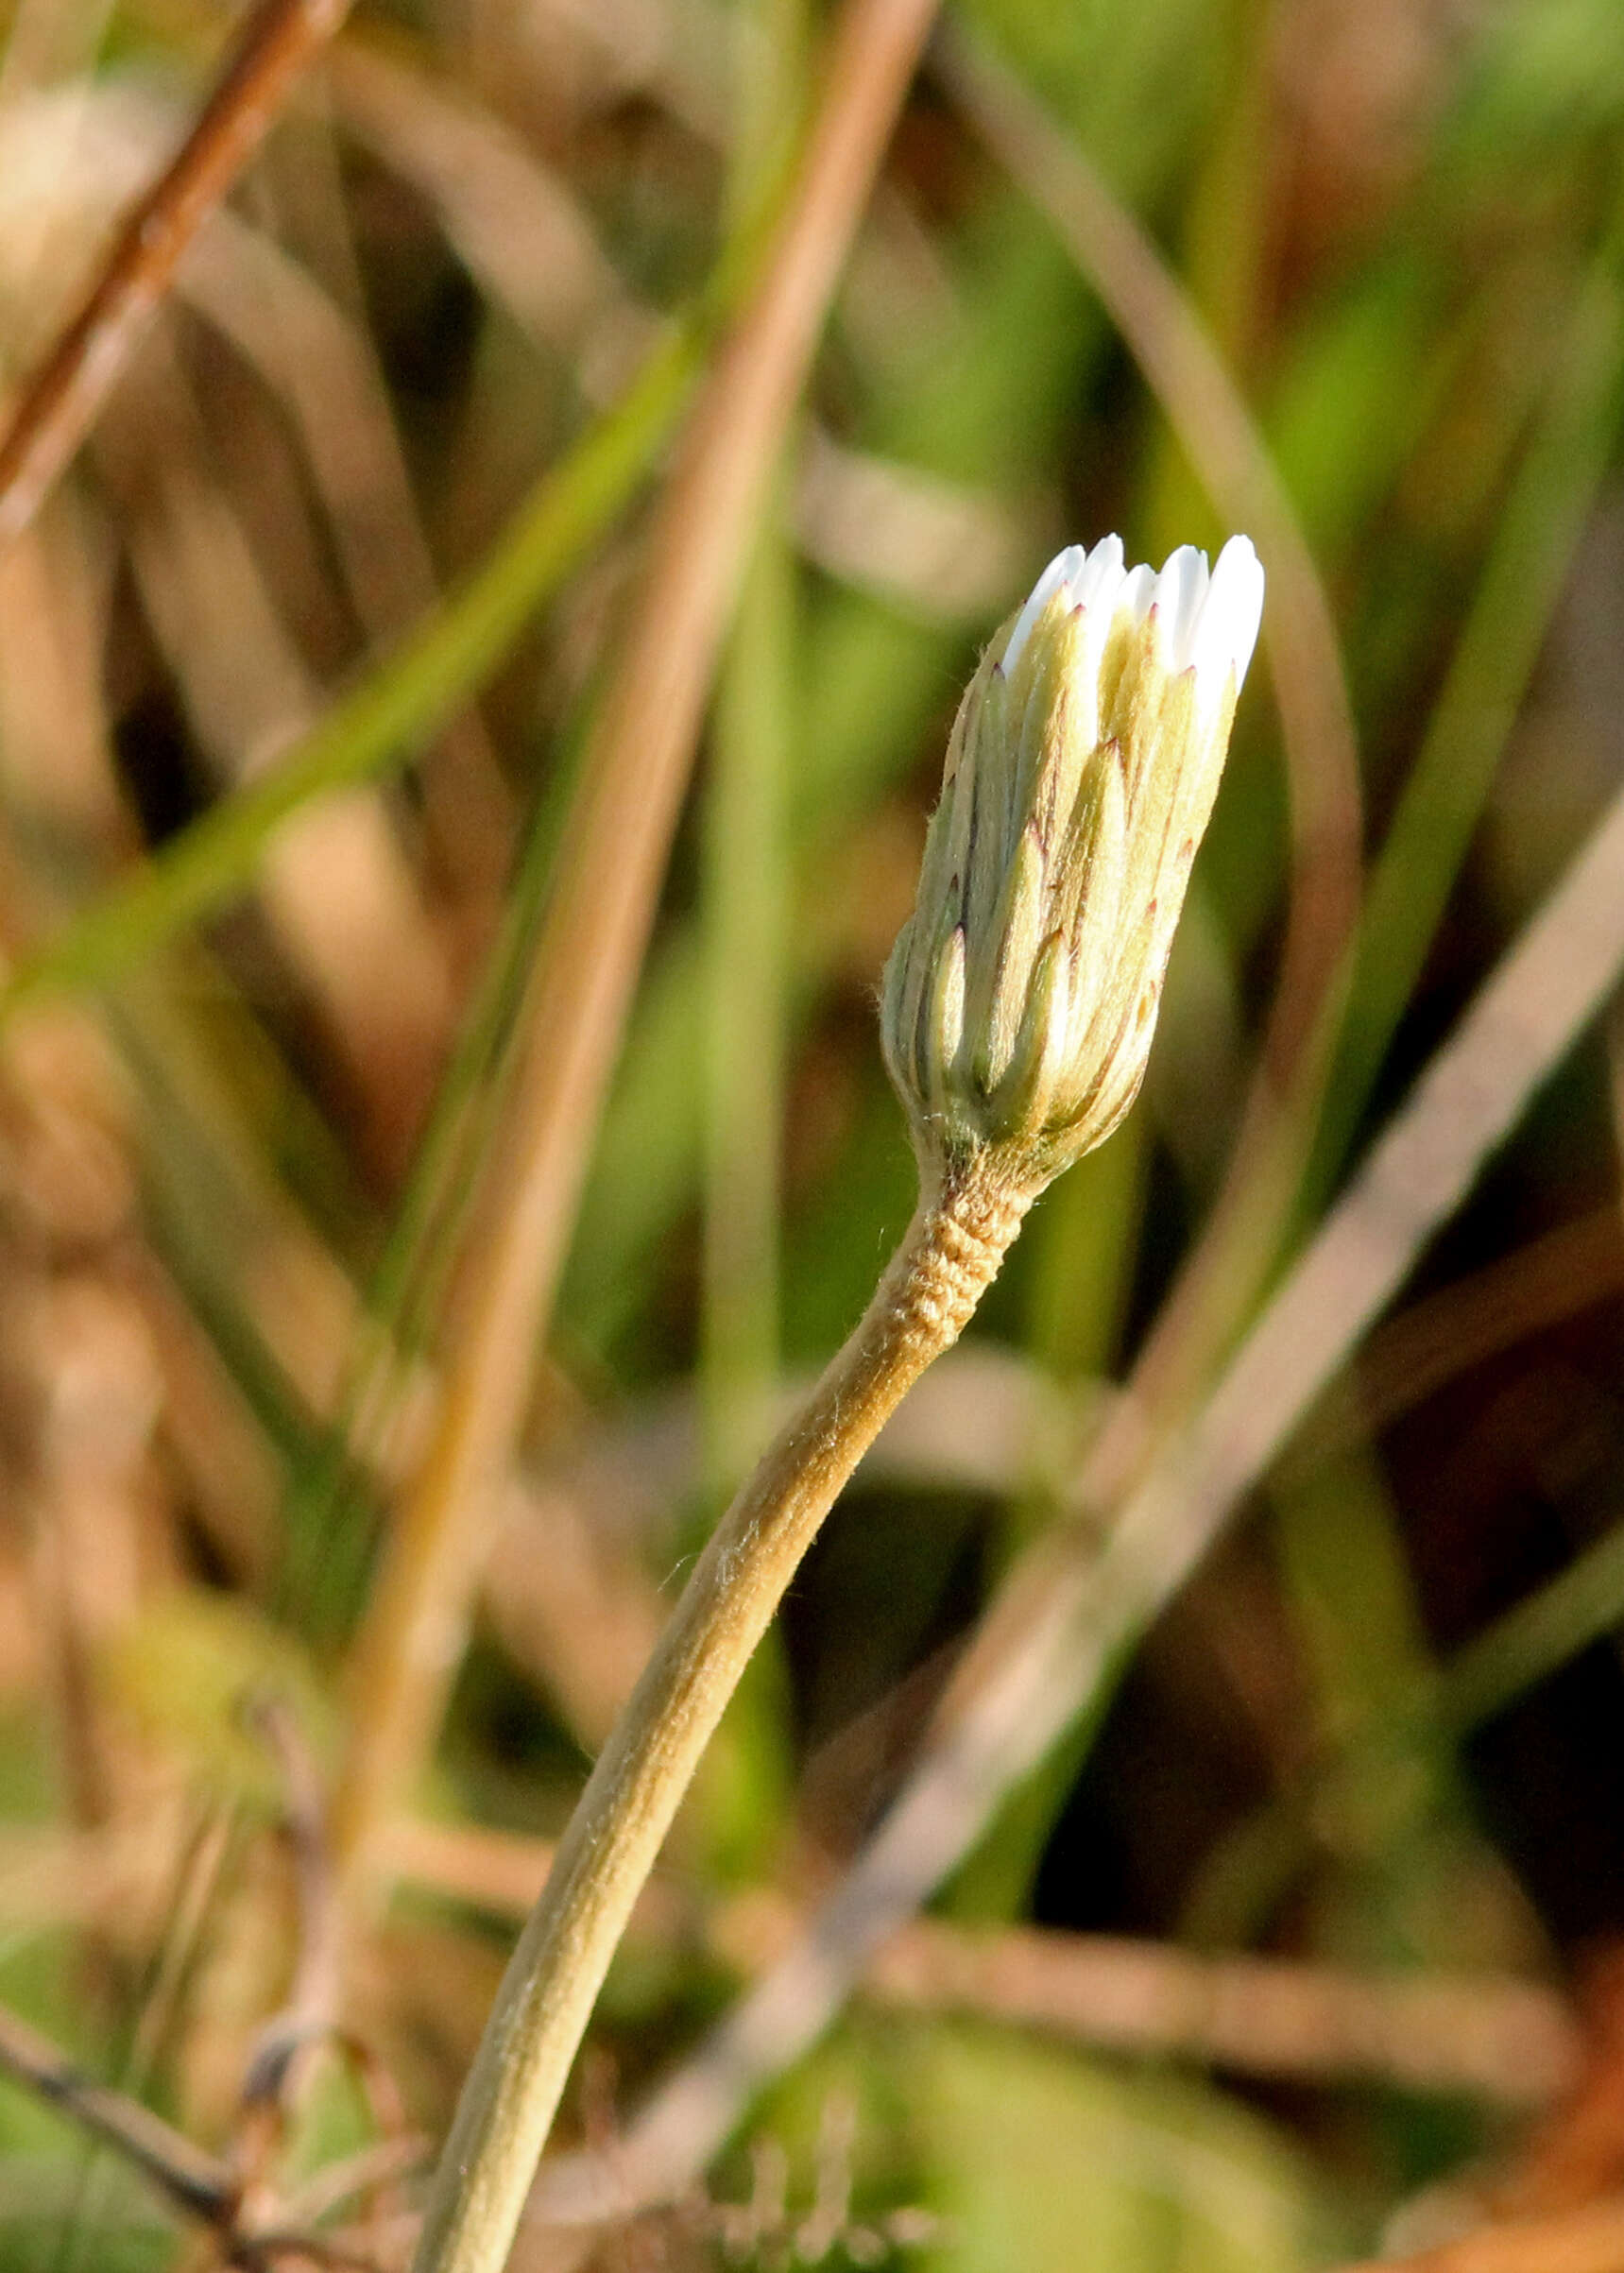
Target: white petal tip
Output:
{"points": [[1180, 593], [1088, 579], [1205, 619], [1060, 571], [1226, 631]]}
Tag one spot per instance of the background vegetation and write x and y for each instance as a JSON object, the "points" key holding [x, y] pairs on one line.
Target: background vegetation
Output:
{"points": [[306, 665]]}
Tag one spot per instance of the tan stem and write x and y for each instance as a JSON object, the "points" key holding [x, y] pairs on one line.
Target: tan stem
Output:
{"points": [[948, 1258], [56, 407], [611, 861]]}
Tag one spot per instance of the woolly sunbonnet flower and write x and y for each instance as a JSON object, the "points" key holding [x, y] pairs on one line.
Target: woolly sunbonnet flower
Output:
{"points": [[1022, 996]]}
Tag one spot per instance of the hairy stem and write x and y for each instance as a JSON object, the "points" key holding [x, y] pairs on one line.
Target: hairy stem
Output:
{"points": [[947, 1259]]}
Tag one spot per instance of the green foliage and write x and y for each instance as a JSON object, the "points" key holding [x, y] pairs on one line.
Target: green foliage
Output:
{"points": [[196, 1670], [1050, 2165]]}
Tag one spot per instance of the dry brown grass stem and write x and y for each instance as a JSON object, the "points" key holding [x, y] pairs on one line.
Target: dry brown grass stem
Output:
{"points": [[192, 2181], [1219, 435], [1579, 2240], [200, 2185], [1505, 2041], [520, 231], [1548, 1280], [60, 400], [610, 864], [309, 2013]]}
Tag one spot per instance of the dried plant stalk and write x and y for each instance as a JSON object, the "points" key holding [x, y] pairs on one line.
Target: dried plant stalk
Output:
{"points": [[1590, 2240], [59, 402], [610, 864]]}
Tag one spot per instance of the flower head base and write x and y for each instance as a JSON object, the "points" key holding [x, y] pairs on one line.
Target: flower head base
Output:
{"points": [[1022, 995]]}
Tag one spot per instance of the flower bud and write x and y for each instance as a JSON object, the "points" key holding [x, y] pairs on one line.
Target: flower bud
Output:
{"points": [[1021, 997]]}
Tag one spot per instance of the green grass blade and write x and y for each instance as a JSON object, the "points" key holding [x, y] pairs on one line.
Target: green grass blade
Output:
{"points": [[401, 704], [1537, 1637], [1545, 514]]}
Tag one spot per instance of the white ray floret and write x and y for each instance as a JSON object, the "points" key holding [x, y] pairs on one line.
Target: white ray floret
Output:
{"points": [[1205, 619]]}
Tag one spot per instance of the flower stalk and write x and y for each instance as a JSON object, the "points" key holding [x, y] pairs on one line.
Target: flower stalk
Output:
{"points": [[1018, 1012], [948, 1258]]}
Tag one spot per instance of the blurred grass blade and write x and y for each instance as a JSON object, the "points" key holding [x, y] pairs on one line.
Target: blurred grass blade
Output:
{"points": [[1205, 407], [333, 1500], [402, 705], [611, 863], [745, 870], [1219, 438], [746, 914], [278, 41], [1535, 1639], [1531, 553]]}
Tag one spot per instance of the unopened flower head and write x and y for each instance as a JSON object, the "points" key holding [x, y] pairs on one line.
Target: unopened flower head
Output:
{"points": [[1022, 996]]}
